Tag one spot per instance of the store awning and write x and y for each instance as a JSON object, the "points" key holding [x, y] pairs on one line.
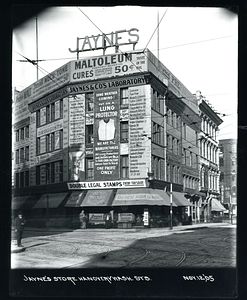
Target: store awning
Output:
{"points": [[216, 205], [180, 200], [53, 200], [17, 202], [141, 196], [75, 199], [98, 198]]}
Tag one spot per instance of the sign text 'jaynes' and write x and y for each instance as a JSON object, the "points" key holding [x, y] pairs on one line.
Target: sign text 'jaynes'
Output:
{"points": [[102, 41]]}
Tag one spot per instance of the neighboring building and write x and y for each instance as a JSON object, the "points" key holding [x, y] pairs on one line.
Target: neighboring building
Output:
{"points": [[109, 134], [209, 163], [228, 174]]}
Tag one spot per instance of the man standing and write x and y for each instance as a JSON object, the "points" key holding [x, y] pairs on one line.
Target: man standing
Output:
{"points": [[19, 228], [108, 221]]}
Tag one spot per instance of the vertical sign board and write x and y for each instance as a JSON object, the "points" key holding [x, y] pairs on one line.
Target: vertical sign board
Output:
{"points": [[106, 135], [139, 131], [32, 149], [65, 138], [76, 136]]}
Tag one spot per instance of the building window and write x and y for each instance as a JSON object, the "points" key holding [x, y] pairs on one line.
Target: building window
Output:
{"points": [[17, 136], [89, 134], [183, 156], [184, 131], [89, 168], [47, 173], [221, 161], [156, 101], [58, 109], [177, 122], [17, 180], [38, 146], [52, 141], [38, 118], [27, 178], [27, 132], [174, 120], [43, 116], [37, 175], [22, 133], [203, 178], [48, 114], [21, 179], [27, 153], [52, 112], [22, 155], [124, 97], [58, 136], [124, 131], [89, 102], [168, 173], [17, 156], [168, 118], [175, 174], [124, 166], [174, 146], [157, 134]]}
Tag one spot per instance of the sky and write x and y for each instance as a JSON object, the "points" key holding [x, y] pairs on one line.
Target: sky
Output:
{"points": [[199, 45]]}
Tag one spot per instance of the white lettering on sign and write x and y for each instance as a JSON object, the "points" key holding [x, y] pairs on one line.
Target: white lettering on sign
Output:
{"points": [[103, 41], [139, 130], [97, 67], [107, 184]]}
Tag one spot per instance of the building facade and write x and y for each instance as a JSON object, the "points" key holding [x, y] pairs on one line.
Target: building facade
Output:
{"points": [[209, 160], [228, 174], [113, 133]]}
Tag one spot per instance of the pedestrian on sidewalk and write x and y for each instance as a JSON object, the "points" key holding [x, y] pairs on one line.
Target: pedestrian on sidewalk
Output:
{"points": [[19, 228], [83, 219], [108, 221]]}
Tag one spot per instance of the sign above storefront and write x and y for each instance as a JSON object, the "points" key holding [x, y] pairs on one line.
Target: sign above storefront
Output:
{"points": [[107, 184], [103, 41]]}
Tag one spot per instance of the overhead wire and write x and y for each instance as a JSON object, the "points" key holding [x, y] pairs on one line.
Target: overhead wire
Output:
{"points": [[41, 69]]}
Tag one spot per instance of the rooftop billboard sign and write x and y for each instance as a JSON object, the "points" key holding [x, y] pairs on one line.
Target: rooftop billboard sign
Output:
{"points": [[103, 41]]}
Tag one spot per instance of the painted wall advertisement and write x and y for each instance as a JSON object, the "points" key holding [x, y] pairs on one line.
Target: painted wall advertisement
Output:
{"points": [[52, 81], [106, 135], [118, 64], [76, 137], [139, 131]]}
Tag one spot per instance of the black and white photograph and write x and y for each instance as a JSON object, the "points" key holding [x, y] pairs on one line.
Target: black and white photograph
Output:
{"points": [[124, 152]]}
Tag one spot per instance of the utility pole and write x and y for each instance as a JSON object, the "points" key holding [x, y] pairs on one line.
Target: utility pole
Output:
{"points": [[37, 47], [47, 201], [158, 38]]}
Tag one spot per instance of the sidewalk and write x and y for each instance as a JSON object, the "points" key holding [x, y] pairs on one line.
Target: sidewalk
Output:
{"points": [[51, 231]]}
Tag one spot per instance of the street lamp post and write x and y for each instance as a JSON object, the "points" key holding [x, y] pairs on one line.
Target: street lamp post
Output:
{"points": [[171, 206]]}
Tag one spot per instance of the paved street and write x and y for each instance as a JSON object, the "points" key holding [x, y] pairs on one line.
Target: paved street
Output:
{"points": [[199, 245]]}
